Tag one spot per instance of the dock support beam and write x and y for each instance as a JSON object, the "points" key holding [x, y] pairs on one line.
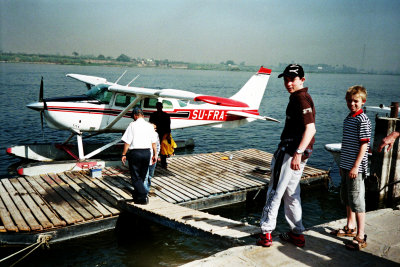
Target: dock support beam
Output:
{"points": [[384, 180]]}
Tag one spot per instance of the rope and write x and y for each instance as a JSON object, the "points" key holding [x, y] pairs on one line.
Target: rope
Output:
{"points": [[42, 240]]}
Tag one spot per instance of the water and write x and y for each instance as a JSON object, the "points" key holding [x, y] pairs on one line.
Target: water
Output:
{"points": [[143, 244]]}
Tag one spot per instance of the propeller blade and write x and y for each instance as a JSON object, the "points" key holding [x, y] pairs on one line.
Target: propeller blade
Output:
{"points": [[41, 90], [41, 119]]}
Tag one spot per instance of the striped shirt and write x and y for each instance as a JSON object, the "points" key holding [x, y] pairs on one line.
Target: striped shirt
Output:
{"points": [[356, 131]]}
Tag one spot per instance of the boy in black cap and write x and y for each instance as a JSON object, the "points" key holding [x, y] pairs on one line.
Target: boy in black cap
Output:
{"points": [[289, 161]]}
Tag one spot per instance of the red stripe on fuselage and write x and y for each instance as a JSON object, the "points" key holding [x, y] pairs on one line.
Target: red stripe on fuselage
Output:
{"points": [[194, 114]]}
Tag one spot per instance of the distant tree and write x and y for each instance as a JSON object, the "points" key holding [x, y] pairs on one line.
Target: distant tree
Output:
{"points": [[101, 57], [230, 62], [75, 54], [123, 58]]}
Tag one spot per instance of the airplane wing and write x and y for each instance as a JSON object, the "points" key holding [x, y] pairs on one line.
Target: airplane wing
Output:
{"points": [[251, 116], [91, 80], [166, 93], [178, 94]]}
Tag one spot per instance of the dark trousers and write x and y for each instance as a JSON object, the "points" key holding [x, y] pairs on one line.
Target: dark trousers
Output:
{"points": [[138, 160], [163, 160]]}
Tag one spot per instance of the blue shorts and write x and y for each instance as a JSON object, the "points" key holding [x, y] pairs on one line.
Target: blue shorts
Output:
{"points": [[352, 191]]}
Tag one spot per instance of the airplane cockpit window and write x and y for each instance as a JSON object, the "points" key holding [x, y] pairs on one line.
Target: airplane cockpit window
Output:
{"points": [[101, 93], [124, 100], [167, 104]]}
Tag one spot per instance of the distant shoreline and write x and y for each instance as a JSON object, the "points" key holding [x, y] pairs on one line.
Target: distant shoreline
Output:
{"points": [[125, 61]]}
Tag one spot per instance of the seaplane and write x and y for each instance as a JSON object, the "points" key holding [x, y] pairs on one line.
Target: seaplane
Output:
{"points": [[106, 108]]}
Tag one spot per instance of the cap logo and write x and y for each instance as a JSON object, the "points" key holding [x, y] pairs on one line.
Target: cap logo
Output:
{"points": [[295, 71]]}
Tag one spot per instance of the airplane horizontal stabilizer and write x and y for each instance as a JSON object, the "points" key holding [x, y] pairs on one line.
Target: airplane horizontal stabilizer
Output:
{"points": [[251, 116]]}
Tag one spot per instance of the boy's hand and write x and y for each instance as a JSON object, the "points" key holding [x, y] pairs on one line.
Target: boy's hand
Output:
{"points": [[295, 164], [353, 173]]}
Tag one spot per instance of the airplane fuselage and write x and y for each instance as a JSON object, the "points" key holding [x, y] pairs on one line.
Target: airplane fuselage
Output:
{"points": [[92, 116]]}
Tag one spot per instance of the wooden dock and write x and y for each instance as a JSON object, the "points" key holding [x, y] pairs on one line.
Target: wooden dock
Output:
{"points": [[71, 204]]}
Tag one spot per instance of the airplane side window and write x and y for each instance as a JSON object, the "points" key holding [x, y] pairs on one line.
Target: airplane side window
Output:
{"points": [[122, 100], [182, 104], [167, 104], [150, 102], [125, 100]]}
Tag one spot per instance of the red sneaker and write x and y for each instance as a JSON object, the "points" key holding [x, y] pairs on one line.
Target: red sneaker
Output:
{"points": [[296, 239], [264, 240]]}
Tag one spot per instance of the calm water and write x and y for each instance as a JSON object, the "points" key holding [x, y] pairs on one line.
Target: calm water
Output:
{"points": [[143, 244]]}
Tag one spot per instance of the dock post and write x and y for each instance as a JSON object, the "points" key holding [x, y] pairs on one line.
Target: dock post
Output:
{"points": [[384, 180]]}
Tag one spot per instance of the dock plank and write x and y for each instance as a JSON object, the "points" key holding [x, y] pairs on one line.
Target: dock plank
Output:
{"points": [[200, 192], [201, 221], [82, 206], [13, 210], [25, 211], [106, 200], [57, 203], [190, 177], [233, 176], [5, 217], [68, 197], [202, 175], [77, 186], [116, 185], [44, 207], [41, 217]]}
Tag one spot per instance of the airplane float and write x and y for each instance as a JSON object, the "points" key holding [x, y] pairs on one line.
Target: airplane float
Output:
{"points": [[106, 108]]}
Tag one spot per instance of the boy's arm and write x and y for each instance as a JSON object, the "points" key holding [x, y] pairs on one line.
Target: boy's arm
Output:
{"points": [[354, 171], [307, 136]]}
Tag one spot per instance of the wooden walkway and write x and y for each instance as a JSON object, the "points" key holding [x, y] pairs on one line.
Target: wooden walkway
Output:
{"points": [[52, 203]]}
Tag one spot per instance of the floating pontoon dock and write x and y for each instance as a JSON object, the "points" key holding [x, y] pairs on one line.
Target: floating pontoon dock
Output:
{"points": [[73, 204]]}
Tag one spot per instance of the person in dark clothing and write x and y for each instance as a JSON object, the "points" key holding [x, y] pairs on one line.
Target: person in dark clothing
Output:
{"points": [[163, 122], [289, 160]]}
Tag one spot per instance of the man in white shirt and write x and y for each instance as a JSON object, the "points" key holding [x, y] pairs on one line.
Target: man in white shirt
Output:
{"points": [[139, 138]]}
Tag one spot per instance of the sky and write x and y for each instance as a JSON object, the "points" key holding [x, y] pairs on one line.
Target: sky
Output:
{"points": [[256, 32]]}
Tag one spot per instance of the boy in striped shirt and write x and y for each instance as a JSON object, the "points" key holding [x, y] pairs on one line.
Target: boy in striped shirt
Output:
{"points": [[353, 166]]}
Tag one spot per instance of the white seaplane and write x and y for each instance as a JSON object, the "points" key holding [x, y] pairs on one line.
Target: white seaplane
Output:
{"points": [[106, 107]]}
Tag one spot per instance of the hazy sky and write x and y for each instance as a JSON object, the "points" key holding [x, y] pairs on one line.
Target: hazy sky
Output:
{"points": [[255, 32]]}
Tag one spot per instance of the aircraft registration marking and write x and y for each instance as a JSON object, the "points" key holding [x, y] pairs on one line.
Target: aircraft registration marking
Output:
{"points": [[206, 114]]}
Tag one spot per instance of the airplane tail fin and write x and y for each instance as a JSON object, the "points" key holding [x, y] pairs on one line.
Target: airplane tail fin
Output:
{"points": [[253, 91]]}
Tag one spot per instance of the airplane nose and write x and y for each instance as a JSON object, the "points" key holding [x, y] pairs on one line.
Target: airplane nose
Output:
{"points": [[38, 106]]}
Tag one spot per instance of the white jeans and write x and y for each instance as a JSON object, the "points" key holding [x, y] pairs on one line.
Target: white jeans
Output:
{"points": [[288, 187]]}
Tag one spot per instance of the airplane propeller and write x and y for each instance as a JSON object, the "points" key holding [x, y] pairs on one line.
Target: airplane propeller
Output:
{"points": [[42, 100]]}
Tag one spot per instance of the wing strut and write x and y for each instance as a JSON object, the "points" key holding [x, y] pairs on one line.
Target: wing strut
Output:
{"points": [[123, 112]]}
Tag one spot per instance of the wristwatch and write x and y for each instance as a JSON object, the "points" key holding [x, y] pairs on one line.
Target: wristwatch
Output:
{"points": [[299, 151]]}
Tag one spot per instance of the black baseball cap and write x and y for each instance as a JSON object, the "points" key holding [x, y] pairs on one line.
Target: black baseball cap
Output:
{"points": [[293, 70]]}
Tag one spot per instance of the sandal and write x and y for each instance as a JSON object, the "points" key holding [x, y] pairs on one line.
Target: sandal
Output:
{"points": [[357, 243], [346, 231]]}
